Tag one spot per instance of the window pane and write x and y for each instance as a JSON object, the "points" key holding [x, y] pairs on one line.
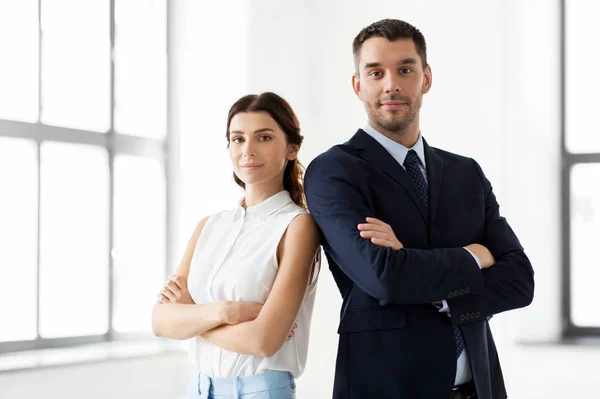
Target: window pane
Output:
{"points": [[74, 240], [582, 127], [585, 235], [76, 64], [19, 46], [139, 254], [141, 67], [18, 238]]}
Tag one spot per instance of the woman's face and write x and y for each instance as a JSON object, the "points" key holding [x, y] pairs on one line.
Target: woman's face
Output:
{"points": [[258, 148]]}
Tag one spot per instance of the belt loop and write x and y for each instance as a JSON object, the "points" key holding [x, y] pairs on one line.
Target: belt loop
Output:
{"points": [[236, 391]]}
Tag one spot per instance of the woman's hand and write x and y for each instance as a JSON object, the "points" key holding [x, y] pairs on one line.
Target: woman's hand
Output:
{"points": [[379, 233], [233, 312], [292, 332], [175, 290]]}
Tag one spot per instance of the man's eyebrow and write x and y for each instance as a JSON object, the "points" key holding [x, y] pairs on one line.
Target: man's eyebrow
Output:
{"points": [[404, 61]]}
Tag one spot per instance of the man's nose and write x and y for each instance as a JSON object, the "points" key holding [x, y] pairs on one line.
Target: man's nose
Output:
{"points": [[392, 84]]}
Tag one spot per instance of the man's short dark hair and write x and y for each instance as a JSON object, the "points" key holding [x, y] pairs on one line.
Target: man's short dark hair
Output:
{"points": [[391, 29]]}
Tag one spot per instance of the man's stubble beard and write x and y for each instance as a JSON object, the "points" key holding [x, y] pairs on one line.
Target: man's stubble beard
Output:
{"points": [[395, 127]]}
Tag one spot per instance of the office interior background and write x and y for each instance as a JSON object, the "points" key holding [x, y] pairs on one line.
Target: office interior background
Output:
{"points": [[112, 147]]}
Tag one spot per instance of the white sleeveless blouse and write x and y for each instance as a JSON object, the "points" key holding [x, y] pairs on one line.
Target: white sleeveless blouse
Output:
{"points": [[236, 259]]}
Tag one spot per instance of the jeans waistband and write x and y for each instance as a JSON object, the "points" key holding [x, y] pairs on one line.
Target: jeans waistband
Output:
{"points": [[265, 381]]}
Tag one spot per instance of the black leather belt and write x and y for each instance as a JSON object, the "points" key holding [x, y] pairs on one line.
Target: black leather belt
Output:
{"points": [[464, 391]]}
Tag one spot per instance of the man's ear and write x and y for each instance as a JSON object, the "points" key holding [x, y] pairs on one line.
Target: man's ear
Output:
{"points": [[356, 85], [427, 79]]}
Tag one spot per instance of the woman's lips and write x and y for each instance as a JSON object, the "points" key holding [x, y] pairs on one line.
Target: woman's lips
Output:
{"points": [[252, 166]]}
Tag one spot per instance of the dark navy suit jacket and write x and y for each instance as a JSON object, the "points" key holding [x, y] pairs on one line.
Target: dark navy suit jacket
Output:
{"points": [[393, 342]]}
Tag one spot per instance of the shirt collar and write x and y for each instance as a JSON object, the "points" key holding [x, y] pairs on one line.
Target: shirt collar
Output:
{"points": [[265, 208], [397, 150]]}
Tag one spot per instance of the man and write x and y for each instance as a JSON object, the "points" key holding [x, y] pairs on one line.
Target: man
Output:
{"points": [[414, 240]]}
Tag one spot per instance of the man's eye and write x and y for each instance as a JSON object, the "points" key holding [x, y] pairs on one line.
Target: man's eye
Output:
{"points": [[404, 71]]}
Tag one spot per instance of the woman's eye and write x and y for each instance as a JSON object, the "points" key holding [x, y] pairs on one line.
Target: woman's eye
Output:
{"points": [[264, 138], [236, 140]]}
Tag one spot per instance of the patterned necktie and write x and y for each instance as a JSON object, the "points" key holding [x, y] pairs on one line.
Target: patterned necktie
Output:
{"points": [[412, 165]]}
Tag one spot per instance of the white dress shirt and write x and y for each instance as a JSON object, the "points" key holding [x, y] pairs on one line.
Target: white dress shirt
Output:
{"points": [[399, 152], [236, 259]]}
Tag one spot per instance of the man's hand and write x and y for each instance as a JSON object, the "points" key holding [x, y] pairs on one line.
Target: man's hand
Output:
{"points": [[175, 290], [379, 233], [486, 259]]}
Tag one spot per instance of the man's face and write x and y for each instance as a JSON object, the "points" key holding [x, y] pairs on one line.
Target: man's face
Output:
{"points": [[391, 83]]}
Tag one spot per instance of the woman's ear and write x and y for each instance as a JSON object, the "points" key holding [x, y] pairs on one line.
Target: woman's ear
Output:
{"points": [[293, 150]]}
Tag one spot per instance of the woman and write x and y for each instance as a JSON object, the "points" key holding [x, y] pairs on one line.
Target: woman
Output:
{"points": [[245, 288]]}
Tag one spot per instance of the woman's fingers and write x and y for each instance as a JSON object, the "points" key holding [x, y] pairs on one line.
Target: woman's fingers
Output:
{"points": [[292, 332], [178, 281], [171, 286], [166, 292], [162, 298]]}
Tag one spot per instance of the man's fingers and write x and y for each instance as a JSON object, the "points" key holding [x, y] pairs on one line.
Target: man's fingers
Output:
{"points": [[375, 221], [372, 227], [375, 234], [382, 242]]}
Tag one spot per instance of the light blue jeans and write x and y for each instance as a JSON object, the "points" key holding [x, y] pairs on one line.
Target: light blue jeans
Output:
{"points": [[268, 385]]}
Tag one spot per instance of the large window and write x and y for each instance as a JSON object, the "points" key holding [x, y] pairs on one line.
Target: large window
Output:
{"points": [[83, 130], [581, 167]]}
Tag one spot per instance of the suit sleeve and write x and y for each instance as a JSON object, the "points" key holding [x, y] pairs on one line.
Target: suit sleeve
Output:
{"points": [[405, 276], [508, 284]]}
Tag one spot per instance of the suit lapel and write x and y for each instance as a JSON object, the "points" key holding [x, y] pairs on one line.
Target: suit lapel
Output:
{"points": [[378, 156], [435, 169]]}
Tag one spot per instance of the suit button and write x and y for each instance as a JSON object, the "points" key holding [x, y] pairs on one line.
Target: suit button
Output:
{"points": [[472, 315], [478, 314], [450, 295], [462, 317], [456, 293], [462, 291], [467, 290], [467, 316]]}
